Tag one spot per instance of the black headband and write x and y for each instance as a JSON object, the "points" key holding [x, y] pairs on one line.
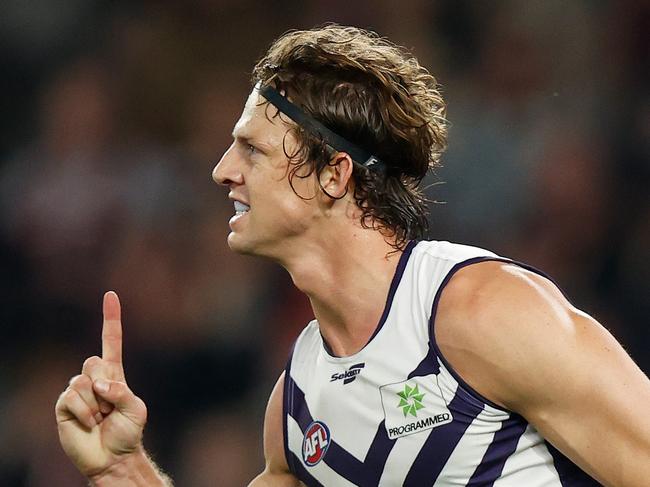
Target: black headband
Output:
{"points": [[316, 128]]}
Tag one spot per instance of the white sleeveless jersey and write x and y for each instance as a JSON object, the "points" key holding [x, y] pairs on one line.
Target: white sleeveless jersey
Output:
{"points": [[396, 413]]}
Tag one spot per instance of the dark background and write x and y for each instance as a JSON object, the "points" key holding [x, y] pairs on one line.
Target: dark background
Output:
{"points": [[114, 113]]}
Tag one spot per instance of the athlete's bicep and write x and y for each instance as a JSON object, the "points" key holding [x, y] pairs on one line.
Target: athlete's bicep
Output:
{"points": [[276, 472], [523, 345], [595, 405]]}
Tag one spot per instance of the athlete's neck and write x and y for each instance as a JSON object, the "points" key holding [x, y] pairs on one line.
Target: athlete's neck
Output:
{"points": [[347, 279]]}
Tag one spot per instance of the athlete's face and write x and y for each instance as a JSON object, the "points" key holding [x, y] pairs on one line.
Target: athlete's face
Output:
{"points": [[269, 215]]}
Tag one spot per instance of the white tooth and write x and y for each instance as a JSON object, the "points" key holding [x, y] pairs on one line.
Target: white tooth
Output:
{"points": [[241, 207]]}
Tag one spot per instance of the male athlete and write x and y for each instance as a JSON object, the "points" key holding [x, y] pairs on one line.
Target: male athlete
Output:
{"points": [[428, 363]]}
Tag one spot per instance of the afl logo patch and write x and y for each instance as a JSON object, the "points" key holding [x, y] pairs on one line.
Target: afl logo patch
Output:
{"points": [[315, 443]]}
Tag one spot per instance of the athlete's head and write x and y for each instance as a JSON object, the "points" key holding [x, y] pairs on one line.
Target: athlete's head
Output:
{"points": [[377, 96], [373, 94]]}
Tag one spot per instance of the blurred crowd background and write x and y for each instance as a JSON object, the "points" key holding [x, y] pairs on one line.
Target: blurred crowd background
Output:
{"points": [[114, 113]]}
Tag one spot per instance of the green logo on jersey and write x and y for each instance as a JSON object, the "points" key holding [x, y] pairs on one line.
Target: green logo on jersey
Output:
{"points": [[410, 400]]}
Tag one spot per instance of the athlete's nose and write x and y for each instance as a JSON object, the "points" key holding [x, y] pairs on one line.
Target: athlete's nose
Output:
{"points": [[227, 171]]}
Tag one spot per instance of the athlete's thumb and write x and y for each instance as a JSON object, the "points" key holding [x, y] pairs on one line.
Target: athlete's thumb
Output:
{"points": [[122, 398]]}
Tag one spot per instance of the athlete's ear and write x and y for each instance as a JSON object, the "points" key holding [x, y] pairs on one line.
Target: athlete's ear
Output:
{"points": [[335, 177]]}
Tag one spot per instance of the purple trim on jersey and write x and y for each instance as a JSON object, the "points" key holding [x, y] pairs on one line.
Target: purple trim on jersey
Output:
{"points": [[368, 472], [428, 366], [345, 464], [303, 475], [377, 455], [432, 335], [298, 408], [363, 474], [570, 474], [436, 300], [442, 441], [397, 277], [399, 272], [287, 396], [503, 445]]}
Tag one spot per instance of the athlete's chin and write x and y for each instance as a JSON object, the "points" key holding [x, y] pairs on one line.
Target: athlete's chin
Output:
{"points": [[245, 245], [240, 244]]}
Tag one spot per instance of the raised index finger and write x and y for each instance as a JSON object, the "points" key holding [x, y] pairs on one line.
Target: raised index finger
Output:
{"points": [[112, 329]]}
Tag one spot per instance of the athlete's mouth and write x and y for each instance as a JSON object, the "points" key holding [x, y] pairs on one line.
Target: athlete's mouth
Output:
{"points": [[241, 208]]}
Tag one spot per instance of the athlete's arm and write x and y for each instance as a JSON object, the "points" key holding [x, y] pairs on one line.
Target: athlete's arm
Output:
{"points": [[513, 337], [276, 473], [100, 420]]}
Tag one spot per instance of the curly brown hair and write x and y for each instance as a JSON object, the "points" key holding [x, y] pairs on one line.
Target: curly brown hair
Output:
{"points": [[376, 95]]}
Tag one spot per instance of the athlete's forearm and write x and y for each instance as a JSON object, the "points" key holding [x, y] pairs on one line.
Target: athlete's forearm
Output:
{"points": [[137, 470]]}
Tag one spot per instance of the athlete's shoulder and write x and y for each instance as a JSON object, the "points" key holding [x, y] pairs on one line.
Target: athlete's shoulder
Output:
{"points": [[515, 339], [307, 344], [432, 262], [449, 251], [492, 317], [309, 330], [495, 287]]}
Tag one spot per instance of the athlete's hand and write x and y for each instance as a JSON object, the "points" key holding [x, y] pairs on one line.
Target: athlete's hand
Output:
{"points": [[100, 421]]}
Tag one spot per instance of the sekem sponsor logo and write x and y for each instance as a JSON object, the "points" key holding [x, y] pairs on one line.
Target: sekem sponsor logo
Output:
{"points": [[349, 375]]}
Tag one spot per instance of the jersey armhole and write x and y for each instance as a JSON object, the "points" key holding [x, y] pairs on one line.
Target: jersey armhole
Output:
{"points": [[432, 335]]}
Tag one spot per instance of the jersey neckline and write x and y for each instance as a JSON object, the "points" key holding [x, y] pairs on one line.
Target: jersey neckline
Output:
{"points": [[397, 277]]}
